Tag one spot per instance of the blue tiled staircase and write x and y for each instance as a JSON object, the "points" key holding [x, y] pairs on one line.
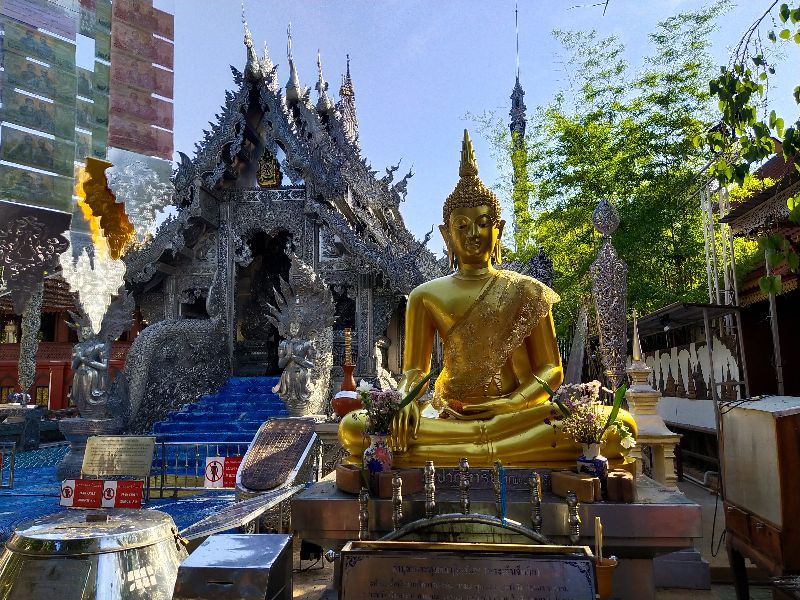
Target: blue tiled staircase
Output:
{"points": [[231, 416]]}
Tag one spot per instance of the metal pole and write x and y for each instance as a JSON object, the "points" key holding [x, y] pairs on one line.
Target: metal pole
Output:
{"points": [[714, 399], [776, 339], [725, 280], [705, 242], [713, 241], [743, 359]]}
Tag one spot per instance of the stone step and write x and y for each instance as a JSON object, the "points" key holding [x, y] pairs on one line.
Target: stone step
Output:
{"points": [[203, 438], [208, 427], [198, 416]]}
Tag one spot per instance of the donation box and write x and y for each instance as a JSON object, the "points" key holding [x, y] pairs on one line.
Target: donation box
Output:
{"points": [[238, 567]]}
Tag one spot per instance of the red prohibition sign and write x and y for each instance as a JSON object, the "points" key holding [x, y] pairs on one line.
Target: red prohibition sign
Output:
{"points": [[66, 491], [108, 494], [214, 471]]}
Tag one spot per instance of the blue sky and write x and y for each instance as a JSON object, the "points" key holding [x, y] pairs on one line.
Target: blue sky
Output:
{"points": [[419, 68]]}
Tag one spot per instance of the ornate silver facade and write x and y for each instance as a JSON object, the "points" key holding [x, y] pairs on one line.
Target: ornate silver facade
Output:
{"points": [[236, 220], [610, 291]]}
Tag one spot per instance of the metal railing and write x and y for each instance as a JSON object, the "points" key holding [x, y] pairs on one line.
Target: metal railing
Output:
{"points": [[180, 466], [8, 454]]}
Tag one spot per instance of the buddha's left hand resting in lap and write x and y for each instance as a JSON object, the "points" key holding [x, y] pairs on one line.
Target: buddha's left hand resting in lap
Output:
{"points": [[497, 330]]}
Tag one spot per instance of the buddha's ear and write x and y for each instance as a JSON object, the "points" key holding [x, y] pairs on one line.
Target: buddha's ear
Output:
{"points": [[498, 248], [446, 237]]}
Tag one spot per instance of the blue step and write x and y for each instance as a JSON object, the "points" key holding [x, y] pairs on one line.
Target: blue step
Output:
{"points": [[231, 415]]}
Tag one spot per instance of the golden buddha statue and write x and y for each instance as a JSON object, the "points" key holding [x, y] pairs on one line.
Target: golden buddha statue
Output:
{"points": [[497, 330]]}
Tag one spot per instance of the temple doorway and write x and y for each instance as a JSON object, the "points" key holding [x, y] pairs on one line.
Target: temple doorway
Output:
{"points": [[256, 346]]}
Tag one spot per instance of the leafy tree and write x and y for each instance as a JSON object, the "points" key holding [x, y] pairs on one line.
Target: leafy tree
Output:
{"points": [[742, 138], [627, 136]]}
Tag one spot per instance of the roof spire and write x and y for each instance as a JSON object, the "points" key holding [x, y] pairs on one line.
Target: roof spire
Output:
{"points": [[518, 107], [324, 104], [293, 90], [347, 107], [253, 69], [516, 25]]}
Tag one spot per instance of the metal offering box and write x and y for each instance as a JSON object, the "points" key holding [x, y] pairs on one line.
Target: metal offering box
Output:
{"points": [[418, 570], [238, 567]]}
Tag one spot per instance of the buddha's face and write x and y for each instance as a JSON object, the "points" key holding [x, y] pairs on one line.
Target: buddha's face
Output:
{"points": [[471, 234]]}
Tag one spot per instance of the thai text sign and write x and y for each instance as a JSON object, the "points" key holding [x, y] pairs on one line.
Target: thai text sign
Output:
{"points": [[118, 455], [98, 493], [424, 571], [221, 471]]}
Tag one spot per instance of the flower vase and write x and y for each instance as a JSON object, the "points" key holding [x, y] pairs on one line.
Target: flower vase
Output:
{"points": [[377, 456], [593, 463]]}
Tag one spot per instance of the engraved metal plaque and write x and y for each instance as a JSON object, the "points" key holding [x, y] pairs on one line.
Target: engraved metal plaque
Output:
{"points": [[51, 578], [481, 478], [420, 571], [118, 455]]}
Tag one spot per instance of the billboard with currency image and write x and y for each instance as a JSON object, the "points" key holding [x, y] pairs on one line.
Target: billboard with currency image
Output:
{"points": [[37, 189], [27, 148], [38, 79], [26, 41], [129, 70], [35, 113], [165, 24], [57, 16]]}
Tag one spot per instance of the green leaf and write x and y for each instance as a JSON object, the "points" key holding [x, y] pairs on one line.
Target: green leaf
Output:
{"points": [[793, 260], [797, 37], [564, 410], [784, 12], [771, 36], [770, 284], [416, 390], [619, 394], [796, 94], [784, 35]]}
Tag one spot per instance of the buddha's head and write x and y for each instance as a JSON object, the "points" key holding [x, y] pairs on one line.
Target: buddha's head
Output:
{"points": [[472, 227]]}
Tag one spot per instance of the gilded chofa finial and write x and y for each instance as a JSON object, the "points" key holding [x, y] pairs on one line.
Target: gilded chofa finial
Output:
{"points": [[637, 345], [469, 166]]}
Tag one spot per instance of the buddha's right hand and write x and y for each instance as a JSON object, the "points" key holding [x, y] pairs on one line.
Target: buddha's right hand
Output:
{"points": [[404, 427]]}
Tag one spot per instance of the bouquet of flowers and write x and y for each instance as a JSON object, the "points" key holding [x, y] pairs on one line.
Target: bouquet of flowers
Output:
{"points": [[580, 415], [383, 405]]}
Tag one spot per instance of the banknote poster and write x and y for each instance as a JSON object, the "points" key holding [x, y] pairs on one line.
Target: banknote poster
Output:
{"points": [[165, 53], [26, 41], [101, 110], [83, 146], [102, 45], [136, 13], [164, 82], [103, 12], [57, 16], [29, 149], [35, 113], [102, 75], [165, 24], [137, 42], [140, 137], [127, 103], [127, 70], [163, 146], [163, 113], [38, 79], [87, 24], [37, 189], [85, 86]]}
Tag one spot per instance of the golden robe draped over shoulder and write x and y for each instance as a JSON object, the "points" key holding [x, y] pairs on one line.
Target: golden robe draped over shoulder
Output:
{"points": [[506, 311]]}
